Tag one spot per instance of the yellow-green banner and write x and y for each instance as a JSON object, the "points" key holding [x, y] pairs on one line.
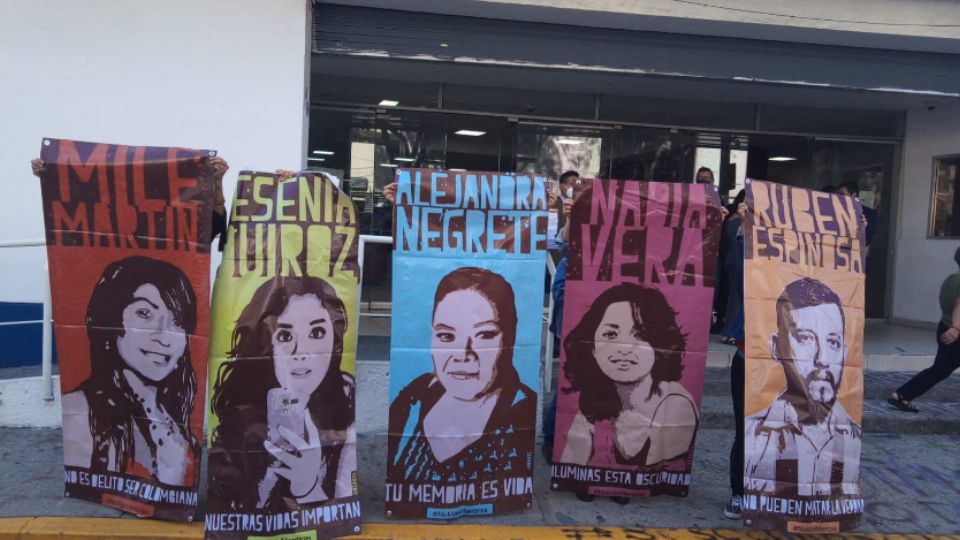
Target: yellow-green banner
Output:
{"points": [[282, 439]]}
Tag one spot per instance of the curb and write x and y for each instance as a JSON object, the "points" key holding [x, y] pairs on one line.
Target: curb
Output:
{"points": [[65, 528], [58, 528]]}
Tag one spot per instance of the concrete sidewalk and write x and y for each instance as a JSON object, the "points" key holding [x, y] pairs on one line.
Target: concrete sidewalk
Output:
{"points": [[910, 484], [910, 464]]}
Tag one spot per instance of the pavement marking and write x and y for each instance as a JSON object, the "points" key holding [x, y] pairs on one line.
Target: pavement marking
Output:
{"points": [[54, 528], [11, 527]]}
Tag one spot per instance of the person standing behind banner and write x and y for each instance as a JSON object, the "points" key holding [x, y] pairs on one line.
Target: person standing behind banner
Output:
{"points": [[870, 219], [704, 176], [283, 392], [471, 416], [624, 359], [731, 257], [735, 330], [132, 414], [948, 346], [219, 207], [566, 193], [557, 290]]}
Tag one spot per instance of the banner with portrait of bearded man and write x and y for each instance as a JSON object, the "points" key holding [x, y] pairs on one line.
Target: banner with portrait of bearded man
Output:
{"points": [[803, 295]]}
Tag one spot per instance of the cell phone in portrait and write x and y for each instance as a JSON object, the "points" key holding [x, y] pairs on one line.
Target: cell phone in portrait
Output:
{"points": [[580, 185], [286, 409]]}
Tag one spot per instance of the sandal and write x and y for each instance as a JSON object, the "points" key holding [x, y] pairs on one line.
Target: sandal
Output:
{"points": [[727, 340], [904, 405]]}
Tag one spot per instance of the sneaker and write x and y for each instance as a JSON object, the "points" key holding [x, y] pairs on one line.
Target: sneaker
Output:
{"points": [[620, 500], [585, 497], [733, 507]]}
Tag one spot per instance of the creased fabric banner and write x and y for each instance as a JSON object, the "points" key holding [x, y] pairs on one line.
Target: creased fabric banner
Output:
{"points": [[636, 321], [468, 265], [282, 362], [128, 243], [803, 293]]}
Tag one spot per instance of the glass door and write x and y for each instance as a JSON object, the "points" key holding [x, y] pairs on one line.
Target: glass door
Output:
{"points": [[552, 149]]}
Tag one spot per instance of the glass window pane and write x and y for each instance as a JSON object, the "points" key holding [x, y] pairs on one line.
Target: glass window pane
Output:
{"points": [[654, 155], [553, 150], [945, 222]]}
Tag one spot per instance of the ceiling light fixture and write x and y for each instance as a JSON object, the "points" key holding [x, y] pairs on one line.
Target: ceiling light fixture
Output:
{"points": [[470, 133], [315, 159], [404, 159], [782, 158], [323, 152], [389, 103], [391, 165], [569, 141]]}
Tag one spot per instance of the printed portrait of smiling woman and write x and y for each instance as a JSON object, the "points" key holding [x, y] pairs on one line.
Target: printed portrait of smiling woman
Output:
{"points": [[624, 362], [286, 435], [472, 415], [132, 415]]}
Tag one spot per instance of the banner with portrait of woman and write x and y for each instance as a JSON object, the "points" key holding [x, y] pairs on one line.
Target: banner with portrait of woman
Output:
{"points": [[636, 321], [128, 243], [803, 298], [468, 265], [282, 439]]}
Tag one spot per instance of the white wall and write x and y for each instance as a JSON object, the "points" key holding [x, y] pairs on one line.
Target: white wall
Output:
{"points": [[210, 74], [922, 263]]}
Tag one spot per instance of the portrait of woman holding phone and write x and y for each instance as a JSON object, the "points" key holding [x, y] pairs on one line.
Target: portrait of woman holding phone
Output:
{"points": [[471, 415], [624, 360], [132, 414], [286, 434]]}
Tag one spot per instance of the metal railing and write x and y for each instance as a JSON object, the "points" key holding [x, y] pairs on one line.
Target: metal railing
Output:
{"points": [[364, 240], [46, 354], [47, 316]]}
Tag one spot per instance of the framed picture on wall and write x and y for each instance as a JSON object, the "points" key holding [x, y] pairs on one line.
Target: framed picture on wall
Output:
{"points": [[944, 204]]}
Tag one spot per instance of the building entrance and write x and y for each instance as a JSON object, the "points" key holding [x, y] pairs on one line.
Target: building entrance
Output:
{"points": [[364, 146]]}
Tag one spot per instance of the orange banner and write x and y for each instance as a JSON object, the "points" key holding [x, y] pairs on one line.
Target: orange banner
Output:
{"points": [[803, 298], [128, 242]]}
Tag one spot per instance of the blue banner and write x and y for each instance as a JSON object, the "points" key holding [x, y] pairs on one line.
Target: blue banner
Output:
{"points": [[468, 274]]}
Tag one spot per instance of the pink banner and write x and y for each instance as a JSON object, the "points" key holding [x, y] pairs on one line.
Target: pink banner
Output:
{"points": [[636, 322]]}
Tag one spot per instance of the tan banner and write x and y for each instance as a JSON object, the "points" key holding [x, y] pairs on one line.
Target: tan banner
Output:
{"points": [[803, 295]]}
